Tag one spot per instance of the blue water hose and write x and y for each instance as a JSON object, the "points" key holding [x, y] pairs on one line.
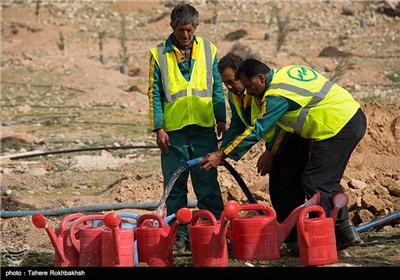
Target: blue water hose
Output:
{"points": [[192, 162], [380, 221], [88, 208]]}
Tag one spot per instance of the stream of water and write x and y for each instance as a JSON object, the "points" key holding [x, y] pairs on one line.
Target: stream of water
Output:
{"points": [[160, 211], [161, 206]]}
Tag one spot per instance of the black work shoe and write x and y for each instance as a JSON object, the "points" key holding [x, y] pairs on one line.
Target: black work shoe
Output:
{"points": [[346, 235], [181, 245], [229, 246], [293, 249], [290, 249]]}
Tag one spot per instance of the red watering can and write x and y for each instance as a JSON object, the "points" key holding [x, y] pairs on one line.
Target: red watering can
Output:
{"points": [[65, 254], [117, 243], [208, 237], [259, 237], [316, 236], [155, 240], [89, 244]]}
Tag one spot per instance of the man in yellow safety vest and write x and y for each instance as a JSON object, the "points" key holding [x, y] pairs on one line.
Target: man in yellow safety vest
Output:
{"points": [[187, 113], [297, 99], [291, 151]]}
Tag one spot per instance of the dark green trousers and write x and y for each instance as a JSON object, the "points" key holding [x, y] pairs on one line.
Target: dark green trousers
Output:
{"points": [[189, 143]]}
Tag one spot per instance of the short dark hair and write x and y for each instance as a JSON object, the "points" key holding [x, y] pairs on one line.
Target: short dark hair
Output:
{"points": [[184, 13], [230, 60], [251, 68]]}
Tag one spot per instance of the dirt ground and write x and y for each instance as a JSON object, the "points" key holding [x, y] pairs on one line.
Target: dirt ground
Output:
{"points": [[62, 88]]}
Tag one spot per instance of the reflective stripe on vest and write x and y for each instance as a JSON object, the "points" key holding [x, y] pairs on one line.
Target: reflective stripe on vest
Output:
{"points": [[168, 98], [316, 98]]}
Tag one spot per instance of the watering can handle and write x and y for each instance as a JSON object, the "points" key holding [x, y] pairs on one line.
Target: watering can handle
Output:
{"points": [[67, 219], [302, 216], [76, 242], [129, 215], [150, 217], [203, 214], [122, 215], [255, 206]]}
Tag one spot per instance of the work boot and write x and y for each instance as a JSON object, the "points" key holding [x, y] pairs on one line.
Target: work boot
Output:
{"points": [[293, 249], [290, 249], [229, 246], [181, 245], [346, 235]]}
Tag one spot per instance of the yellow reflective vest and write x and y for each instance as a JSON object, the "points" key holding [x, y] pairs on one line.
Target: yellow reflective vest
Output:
{"points": [[325, 108], [187, 102], [256, 110]]}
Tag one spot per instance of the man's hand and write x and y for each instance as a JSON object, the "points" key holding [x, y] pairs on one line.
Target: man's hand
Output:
{"points": [[162, 140], [264, 163], [212, 160], [221, 129]]}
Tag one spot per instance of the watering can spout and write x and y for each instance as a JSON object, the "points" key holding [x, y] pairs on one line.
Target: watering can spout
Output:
{"points": [[183, 216], [231, 210], [113, 220], [283, 229], [40, 222]]}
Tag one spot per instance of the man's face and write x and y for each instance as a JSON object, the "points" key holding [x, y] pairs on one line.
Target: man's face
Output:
{"points": [[228, 78], [254, 87], [184, 33]]}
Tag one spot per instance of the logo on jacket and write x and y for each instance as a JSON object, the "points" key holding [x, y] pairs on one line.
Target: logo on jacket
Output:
{"points": [[302, 73]]}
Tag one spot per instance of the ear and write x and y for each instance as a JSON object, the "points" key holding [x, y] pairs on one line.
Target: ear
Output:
{"points": [[262, 78], [170, 24]]}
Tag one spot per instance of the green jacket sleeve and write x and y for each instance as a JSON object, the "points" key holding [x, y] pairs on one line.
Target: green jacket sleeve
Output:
{"points": [[156, 94], [276, 108], [218, 94]]}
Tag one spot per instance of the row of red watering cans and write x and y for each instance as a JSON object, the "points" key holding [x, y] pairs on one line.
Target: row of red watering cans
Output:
{"points": [[257, 237], [253, 238], [82, 244], [88, 244], [260, 237]]}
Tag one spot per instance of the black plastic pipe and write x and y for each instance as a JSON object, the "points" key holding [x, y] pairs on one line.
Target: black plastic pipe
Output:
{"points": [[82, 150], [242, 184], [240, 181]]}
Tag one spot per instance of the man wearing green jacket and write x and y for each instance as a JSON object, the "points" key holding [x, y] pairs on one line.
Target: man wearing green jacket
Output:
{"points": [[187, 112], [291, 151], [297, 99]]}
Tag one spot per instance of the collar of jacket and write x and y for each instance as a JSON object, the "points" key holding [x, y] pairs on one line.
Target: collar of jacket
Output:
{"points": [[169, 44], [270, 75]]}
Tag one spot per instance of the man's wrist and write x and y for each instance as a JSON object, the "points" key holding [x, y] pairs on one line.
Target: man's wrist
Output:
{"points": [[222, 154]]}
